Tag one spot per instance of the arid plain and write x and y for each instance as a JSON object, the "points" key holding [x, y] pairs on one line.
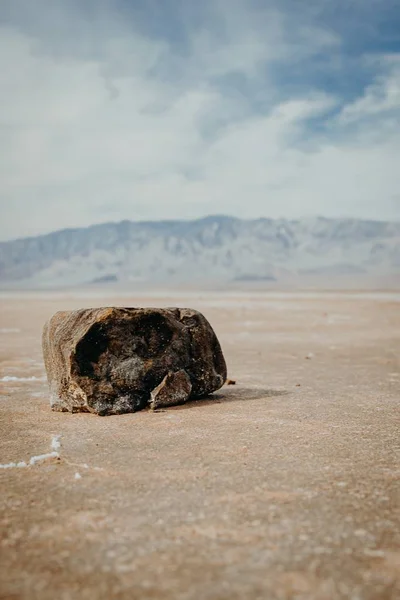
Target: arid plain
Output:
{"points": [[285, 485]]}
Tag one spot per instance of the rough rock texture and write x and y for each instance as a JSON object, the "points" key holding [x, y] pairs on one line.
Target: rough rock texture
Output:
{"points": [[175, 388], [118, 360]]}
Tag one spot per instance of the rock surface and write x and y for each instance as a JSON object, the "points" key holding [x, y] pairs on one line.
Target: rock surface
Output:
{"points": [[119, 360], [175, 388]]}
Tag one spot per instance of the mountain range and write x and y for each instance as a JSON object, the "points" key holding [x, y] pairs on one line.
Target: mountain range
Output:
{"points": [[213, 249]]}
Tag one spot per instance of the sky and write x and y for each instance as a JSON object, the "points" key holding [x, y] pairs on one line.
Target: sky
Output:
{"points": [[177, 109]]}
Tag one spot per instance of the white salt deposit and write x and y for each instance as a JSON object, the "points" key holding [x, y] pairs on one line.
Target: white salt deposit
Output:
{"points": [[55, 442], [8, 378], [55, 446], [36, 459]]}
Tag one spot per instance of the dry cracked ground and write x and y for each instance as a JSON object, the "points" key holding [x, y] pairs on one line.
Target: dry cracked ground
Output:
{"points": [[285, 485]]}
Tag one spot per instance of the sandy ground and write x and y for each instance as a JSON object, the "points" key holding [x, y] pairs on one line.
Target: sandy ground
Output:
{"points": [[283, 486]]}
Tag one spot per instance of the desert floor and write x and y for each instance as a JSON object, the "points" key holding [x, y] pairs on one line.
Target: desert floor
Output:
{"points": [[285, 485]]}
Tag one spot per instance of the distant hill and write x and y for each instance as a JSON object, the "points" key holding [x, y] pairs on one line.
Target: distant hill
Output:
{"points": [[213, 249]]}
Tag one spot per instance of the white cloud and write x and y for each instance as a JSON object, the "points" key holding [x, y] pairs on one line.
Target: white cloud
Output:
{"points": [[104, 131], [381, 96]]}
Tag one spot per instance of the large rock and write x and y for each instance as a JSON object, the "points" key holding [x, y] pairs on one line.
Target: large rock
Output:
{"points": [[118, 360]]}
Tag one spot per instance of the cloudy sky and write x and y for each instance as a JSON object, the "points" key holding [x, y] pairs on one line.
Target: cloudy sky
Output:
{"points": [[150, 109]]}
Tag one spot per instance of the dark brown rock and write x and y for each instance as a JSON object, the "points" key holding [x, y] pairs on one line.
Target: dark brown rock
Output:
{"points": [[118, 360], [175, 388]]}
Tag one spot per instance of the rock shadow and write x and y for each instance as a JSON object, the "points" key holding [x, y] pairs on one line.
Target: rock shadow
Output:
{"points": [[229, 394]]}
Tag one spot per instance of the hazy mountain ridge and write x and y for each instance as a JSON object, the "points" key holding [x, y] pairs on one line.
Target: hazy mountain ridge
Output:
{"points": [[215, 248]]}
